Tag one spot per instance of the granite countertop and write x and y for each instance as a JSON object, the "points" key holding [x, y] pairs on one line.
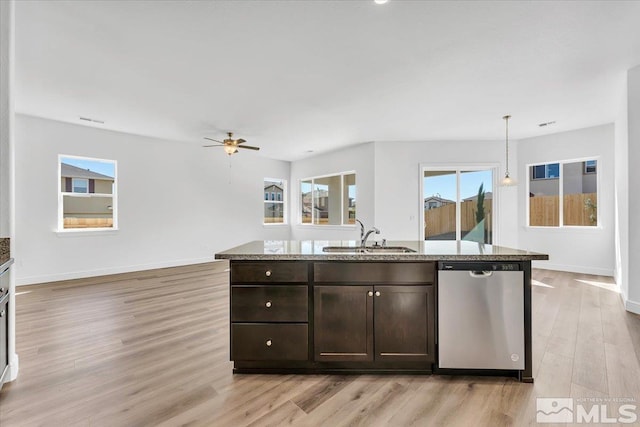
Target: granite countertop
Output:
{"points": [[5, 253], [430, 250]]}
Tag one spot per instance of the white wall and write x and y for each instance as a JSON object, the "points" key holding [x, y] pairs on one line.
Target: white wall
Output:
{"points": [[398, 175], [586, 250], [7, 161], [358, 158], [621, 207], [178, 203], [633, 161]]}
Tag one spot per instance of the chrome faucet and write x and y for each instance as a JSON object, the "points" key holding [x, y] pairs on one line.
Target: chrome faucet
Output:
{"points": [[361, 230], [363, 243], [364, 236]]}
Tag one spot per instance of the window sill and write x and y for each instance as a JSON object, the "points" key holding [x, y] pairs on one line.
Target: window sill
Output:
{"points": [[276, 225], [349, 227], [564, 228], [86, 232]]}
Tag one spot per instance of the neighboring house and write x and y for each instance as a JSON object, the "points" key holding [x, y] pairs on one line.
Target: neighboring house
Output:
{"points": [[273, 193], [487, 196], [321, 204], [579, 177], [78, 181], [433, 202]]}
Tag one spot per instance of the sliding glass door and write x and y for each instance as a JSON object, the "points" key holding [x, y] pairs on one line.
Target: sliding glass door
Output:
{"points": [[458, 204]]}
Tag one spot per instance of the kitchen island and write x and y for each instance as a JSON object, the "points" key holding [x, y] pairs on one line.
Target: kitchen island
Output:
{"points": [[332, 306]]}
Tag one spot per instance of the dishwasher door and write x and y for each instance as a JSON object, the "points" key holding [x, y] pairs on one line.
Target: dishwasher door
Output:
{"points": [[481, 317]]}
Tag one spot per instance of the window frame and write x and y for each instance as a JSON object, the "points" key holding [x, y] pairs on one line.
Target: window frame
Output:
{"points": [[459, 168], [62, 194], [73, 185], [546, 171], [561, 225], [269, 195], [312, 179]]}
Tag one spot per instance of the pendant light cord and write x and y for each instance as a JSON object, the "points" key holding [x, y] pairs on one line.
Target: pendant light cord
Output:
{"points": [[506, 118]]}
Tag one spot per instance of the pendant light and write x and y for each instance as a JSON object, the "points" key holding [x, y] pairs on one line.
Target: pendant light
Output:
{"points": [[507, 180]]}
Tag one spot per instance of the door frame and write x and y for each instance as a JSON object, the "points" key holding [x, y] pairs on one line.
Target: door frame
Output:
{"points": [[458, 167]]}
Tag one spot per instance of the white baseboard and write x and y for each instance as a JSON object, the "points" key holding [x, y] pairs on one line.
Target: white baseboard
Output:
{"points": [[14, 367], [32, 280], [573, 268], [632, 306]]}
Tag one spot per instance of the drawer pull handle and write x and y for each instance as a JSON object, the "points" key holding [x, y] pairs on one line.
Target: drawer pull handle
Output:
{"points": [[268, 273], [370, 293], [267, 304], [377, 293], [268, 343]]}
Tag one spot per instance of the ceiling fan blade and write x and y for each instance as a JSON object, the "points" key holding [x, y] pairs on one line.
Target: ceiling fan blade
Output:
{"points": [[221, 145], [249, 147], [214, 140], [240, 141]]}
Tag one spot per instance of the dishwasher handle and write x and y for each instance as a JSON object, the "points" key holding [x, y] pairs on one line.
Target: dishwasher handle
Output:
{"points": [[480, 274]]}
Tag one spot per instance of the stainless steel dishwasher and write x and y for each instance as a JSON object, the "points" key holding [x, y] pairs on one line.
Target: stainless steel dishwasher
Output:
{"points": [[480, 315]]}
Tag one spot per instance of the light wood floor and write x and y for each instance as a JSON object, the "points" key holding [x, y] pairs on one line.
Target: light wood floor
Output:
{"points": [[152, 348]]}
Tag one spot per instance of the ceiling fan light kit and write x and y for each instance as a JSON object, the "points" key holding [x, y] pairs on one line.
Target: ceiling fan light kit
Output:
{"points": [[230, 145]]}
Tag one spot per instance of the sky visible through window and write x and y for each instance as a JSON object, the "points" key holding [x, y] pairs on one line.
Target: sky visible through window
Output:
{"points": [[444, 186], [104, 168]]}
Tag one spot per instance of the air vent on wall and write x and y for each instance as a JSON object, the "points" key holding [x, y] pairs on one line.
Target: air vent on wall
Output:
{"points": [[87, 119]]}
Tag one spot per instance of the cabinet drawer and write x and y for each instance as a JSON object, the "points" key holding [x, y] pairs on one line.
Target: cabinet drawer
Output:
{"points": [[374, 272], [269, 342], [269, 303], [269, 272]]}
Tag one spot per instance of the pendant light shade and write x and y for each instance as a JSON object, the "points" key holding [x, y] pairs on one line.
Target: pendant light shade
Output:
{"points": [[507, 180]]}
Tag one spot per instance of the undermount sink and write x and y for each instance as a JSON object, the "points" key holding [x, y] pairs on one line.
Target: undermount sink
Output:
{"points": [[368, 249]]}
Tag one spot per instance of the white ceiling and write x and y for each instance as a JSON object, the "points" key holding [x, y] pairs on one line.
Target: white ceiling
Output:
{"points": [[293, 76]]}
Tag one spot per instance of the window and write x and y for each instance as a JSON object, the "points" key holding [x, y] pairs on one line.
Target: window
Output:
{"points": [[87, 196], [274, 201], [571, 199], [549, 171], [590, 166], [328, 200], [458, 203], [79, 185]]}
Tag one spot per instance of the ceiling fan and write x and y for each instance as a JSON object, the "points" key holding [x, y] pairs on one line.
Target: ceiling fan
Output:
{"points": [[230, 145]]}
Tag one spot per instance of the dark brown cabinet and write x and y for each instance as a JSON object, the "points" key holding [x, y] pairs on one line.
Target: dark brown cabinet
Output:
{"points": [[343, 323], [404, 323], [306, 316], [374, 311], [391, 323], [269, 311]]}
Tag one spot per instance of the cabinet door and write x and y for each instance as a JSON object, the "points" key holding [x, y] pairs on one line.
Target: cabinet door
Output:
{"points": [[343, 323], [404, 323]]}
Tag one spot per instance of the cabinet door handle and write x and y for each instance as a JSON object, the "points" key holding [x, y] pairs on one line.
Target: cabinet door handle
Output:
{"points": [[370, 293], [268, 343], [377, 293], [267, 304], [2, 313], [268, 273]]}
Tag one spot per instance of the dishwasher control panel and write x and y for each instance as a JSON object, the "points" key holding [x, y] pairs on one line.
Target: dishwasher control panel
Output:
{"points": [[479, 266]]}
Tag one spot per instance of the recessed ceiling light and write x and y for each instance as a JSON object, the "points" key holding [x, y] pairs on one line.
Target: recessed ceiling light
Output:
{"points": [[309, 151], [380, 1], [547, 124]]}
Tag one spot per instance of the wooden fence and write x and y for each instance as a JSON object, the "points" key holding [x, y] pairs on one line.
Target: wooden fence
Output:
{"points": [[442, 220], [88, 222], [544, 211]]}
